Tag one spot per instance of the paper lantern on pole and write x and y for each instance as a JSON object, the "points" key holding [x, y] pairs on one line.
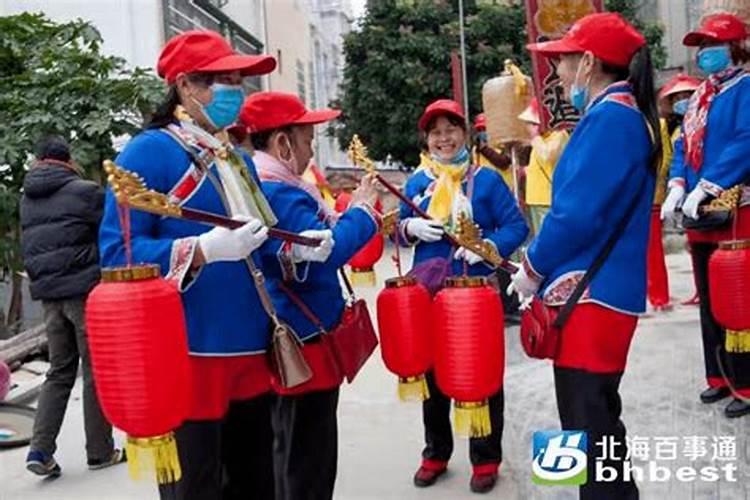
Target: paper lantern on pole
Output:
{"points": [[503, 99], [469, 350], [139, 355], [404, 309], [729, 269]]}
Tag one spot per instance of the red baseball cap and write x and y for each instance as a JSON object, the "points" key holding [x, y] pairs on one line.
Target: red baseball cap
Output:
{"points": [[207, 51], [679, 83], [480, 122], [440, 107], [717, 28], [271, 110], [606, 35]]}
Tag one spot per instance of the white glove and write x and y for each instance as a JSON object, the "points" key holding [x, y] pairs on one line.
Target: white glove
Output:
{"points": [[301, 253], [428, 231], [693, 201], [524, 286], [470, 257], [674, 197], [222, 244]]}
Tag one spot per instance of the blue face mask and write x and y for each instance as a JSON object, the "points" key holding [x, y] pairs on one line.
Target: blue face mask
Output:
{"points": [[714, 59], [482, 136], [580, 94], [225, 105], [681, 107], [459, 158]]}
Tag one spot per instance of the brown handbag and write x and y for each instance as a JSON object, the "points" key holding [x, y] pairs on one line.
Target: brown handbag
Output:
{"points": [[353, 340]]}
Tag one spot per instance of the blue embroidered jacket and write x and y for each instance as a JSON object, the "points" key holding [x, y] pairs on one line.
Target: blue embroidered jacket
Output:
{"points": [[223, 313], [494, 210], [604, 166], [316, 284], [726, 147]]}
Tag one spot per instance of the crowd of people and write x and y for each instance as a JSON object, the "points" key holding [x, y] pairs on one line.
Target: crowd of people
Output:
{"points": [[595, 197]]}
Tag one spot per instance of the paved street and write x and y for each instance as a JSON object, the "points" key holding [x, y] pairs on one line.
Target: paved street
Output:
{"points": [[380, 438]]}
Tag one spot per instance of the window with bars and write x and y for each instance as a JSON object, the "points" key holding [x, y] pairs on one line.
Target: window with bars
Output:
{"points": [[301, 88]]}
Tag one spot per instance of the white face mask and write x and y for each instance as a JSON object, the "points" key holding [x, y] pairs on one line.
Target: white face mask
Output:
{"points": [[291, 164]]}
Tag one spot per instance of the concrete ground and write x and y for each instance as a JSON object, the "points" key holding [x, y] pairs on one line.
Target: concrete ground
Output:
{"points": [[381, 438]]}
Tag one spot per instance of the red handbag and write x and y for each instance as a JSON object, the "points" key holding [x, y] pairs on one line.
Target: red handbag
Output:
{"points": [[540, 337], [353, 340]]}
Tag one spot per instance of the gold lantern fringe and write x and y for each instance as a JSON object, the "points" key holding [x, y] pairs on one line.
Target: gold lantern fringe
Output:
{"points": [[413, 388], [362, 277], [472, 419], [158, 454], [738, 341]]}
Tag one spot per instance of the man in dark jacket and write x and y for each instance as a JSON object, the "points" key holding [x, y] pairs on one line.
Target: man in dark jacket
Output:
{"points": [[60, 215]]}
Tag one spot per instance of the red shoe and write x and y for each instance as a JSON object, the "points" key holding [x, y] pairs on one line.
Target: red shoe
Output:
{"points": [[429, 472], [484, 478], [693, 301], [663, 307]]}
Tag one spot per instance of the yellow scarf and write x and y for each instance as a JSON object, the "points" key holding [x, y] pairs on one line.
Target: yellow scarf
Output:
{"points": [[447, 187]]}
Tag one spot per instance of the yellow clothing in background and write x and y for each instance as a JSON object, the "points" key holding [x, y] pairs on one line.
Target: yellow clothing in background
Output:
{"points": [[662, 175], [483, 161], [545, 152]]}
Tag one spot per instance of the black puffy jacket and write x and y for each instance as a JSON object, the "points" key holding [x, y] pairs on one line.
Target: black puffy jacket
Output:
{"points": [[60, 216]]}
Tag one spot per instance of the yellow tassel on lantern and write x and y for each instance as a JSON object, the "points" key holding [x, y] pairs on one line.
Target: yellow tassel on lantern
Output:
{"points": [[362, 277], [158, 454], [472, 419], [413, 388], [738, 341]]}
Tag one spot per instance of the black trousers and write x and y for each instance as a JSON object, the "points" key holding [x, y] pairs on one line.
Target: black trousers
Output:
{"points": [[228, 459], [438, 433], [590, 402], [736, 365], [305, 449]]}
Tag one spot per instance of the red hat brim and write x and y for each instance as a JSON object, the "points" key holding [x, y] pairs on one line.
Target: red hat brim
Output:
{"points": [[429, 115], [317, 116], [554, 48], [247, 65], [680, 87]]}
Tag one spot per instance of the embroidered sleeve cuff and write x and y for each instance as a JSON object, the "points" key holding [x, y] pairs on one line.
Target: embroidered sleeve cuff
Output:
{"points": [[710, 187], [404, 236], [180, 262], [290, 271], [676, 181], [530, 271]]}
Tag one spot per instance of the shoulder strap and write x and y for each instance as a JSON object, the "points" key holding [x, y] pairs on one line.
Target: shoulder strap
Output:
{"points": [[567, 309], [308, 313]]}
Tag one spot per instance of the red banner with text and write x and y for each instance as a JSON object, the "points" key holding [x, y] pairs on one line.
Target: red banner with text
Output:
{"points": [[549, 20]]}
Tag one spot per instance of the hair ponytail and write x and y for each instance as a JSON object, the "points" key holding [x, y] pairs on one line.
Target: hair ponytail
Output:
{"points": [[641, 78], [164, 113]]}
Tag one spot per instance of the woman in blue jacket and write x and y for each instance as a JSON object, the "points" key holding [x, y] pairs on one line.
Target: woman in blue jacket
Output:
{"points": [[712, 155], [304, 418], [604, 180], [445, 186], [225, 446]]}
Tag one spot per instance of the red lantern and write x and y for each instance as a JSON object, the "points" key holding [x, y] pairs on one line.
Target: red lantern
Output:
{"points": [[404, 308], [139, 355], [469, 350], [363, 262], [728, 271]]}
